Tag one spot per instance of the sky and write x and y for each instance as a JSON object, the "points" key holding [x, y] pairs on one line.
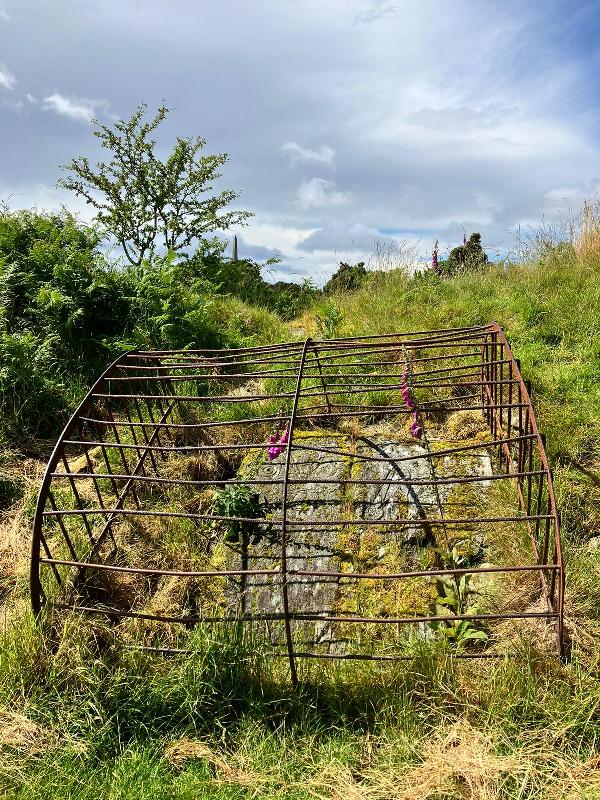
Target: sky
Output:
{"points": [[356, 129]]}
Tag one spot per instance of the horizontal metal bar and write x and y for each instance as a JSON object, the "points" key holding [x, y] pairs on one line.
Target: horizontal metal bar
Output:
{"points": [[305, 617], [434, 618], [293, 523], [271, 481], [366, 657], [302, 572], [225, 573]]}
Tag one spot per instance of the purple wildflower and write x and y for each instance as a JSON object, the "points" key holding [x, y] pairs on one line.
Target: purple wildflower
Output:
{"points": [[277, 443], [434, 258], [416, 428]]}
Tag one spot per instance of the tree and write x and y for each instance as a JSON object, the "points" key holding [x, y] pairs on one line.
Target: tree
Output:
{"points": [[348, 278], [144, 202], [470, 255]]}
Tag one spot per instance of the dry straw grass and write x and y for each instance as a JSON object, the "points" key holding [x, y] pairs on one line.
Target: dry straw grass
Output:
{"points": [[182, 751], [463, 763], [19, 732], [587, 243]]}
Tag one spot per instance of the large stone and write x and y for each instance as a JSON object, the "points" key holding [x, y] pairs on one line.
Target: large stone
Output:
{"points": [[332, 526]]}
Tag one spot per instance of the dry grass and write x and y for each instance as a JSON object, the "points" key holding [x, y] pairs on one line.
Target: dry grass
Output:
{"points": [[463, 763], [587, 244], [182, 751], [464, 425], [21, 733]]}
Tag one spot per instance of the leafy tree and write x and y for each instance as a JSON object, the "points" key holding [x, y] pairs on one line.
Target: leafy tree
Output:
{"points": [[470, 255], [347, 279], [145, 202]]}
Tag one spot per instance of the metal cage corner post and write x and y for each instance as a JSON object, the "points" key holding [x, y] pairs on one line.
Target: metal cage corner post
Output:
{"points": [[137, 415]]}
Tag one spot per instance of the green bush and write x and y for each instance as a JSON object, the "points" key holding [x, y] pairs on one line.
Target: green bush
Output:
{"points": [[468, 256], [348, 278], [66, 313]]}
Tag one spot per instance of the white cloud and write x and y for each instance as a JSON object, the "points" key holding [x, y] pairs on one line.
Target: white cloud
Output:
{"points": [[320, 155], [7, 79], [321, 193], [376, 9], [81, 109], [4, 15], [30, 98]]}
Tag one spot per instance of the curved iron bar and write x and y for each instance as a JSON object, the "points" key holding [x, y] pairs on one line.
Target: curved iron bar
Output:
{"points": [[501, 394]]}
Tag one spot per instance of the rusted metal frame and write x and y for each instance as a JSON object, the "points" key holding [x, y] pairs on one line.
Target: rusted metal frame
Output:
{"points": [[165, 572], [367, 387], [335, 359], [38, 538], [558, 557], [268, 418], [191, 620], [509, 417], [278, 358], [350, 354], [441, 331], [193, 448], [437, 453], [128, 488], [525, 504], [296, 572], [427, 379], [71, 476], [155, 428], [425, 373], [276, 352], [135, 512], [284, 509], [210, 372], [274, 373], [437, 618], [208, 376], [121, 448], [347, 656], [300, 481], [414, 343], [394, 361], [493, 386], [131, 427], [108, 469], [144, 434], [349, 341], [56, 512], [263, 348], [184, 448], [96, 486], [182, 398], [275, 417], [499, 388]]}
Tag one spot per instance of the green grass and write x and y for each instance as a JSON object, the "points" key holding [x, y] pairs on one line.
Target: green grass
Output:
{"points": [[81, 717]]}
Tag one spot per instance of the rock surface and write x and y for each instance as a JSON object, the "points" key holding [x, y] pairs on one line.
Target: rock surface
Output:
{"points": [[337, 526]]}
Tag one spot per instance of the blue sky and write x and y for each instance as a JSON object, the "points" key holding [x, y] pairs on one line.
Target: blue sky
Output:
{"points": [[347, 122]]}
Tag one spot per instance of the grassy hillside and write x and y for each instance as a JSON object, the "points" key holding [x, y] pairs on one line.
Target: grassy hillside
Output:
{"points": [[81, 717]]}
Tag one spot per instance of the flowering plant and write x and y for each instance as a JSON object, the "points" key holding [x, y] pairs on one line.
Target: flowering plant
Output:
{"points": [[278, 440], [416, 428]]}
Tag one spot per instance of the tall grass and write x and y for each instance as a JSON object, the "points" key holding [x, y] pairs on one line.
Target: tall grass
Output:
{"points": [[83, 717]]}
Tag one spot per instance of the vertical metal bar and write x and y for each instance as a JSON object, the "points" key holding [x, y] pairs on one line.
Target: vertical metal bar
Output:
{"points": [[145, 434], [77, 497], [284, 509], [327, 401], [62, 526]]}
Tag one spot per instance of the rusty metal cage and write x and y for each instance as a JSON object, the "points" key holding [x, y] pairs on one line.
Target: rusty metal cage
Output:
{"points": [[281, 486]]}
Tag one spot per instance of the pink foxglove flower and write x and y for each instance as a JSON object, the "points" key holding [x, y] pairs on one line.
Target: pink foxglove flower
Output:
{"points": [[278, 444], [416, 428]]}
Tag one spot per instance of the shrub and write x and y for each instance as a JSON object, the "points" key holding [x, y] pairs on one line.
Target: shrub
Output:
{"points": [[470, 255], [348, 278]]}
